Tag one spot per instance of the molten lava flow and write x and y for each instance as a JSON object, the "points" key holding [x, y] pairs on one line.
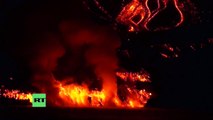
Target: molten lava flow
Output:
{"points": [[137, 13], [16, 94], [81, 96], [131, 10]]}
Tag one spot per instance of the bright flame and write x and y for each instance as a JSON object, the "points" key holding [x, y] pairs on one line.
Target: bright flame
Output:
{"points": [[77, 95], [81, 96]]}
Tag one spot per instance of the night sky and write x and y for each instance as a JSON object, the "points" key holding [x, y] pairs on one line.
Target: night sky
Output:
{"points": [[183, 82]]}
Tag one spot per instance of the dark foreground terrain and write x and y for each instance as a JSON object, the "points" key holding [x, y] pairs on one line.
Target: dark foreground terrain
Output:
{"points": [[102, 114]]}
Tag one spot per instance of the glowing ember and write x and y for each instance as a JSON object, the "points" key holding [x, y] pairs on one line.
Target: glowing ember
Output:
{"points": [[16, 94], [171, 51], [140, 76]]}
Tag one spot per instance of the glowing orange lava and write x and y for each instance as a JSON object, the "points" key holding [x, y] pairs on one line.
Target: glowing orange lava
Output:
{"points": [[137, 13]]}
